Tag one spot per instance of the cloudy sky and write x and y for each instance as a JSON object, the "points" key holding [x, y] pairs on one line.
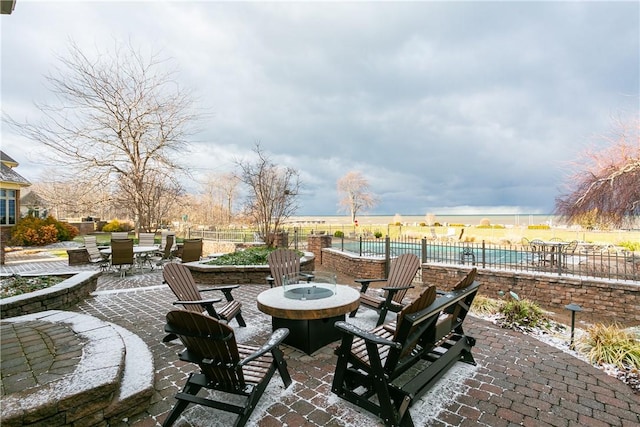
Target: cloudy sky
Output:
{"points": [[445, 107]]}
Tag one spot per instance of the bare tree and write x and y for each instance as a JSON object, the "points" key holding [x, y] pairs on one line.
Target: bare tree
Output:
{"points": [[119, 119], [219, 193], [272, 193], [355, 195], [606, 183]]}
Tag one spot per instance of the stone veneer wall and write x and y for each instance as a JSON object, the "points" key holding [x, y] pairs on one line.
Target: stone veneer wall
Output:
{"points": [[239, 274], [601, 300], [353, 265], [58, 297]]}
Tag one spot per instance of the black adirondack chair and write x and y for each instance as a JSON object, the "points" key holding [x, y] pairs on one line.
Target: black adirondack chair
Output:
{"points": [[386, 369]]}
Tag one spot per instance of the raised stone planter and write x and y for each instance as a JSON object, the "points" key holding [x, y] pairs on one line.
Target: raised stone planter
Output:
{"points": [[58, 297], [239, 274]]}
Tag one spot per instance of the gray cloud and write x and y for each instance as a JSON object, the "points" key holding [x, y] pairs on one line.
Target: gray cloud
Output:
{"points": [[440, 104]]}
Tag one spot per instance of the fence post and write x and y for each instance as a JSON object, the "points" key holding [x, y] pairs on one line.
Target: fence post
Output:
{"points": [[387, 256], [360, 246], [295, 238], [484, 247], [423, 251]]}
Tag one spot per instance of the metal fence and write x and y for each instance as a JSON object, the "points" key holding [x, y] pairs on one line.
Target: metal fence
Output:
{"points": [[586, 260]]}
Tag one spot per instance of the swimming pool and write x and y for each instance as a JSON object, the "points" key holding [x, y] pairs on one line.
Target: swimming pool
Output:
{"points": [[456, 253]]}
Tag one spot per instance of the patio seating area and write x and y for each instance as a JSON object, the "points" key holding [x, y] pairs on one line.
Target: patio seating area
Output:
{"points": [[536, 385]]}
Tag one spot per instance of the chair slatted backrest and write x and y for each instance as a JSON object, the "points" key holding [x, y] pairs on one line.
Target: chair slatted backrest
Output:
{"points": [[402, 272], [212, 341], [455, 313], [121, 251], [166, 251], [146, 239], [426, 298], [181, 282], [191, 250], [119, 235], [91, 245], [283, 262], [163, 238]]}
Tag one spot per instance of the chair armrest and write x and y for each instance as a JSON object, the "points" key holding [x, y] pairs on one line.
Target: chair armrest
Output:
{"points": [[364, 283], [394, 289], [203, 302], [351, 329], [274, 340], [226, 290]]}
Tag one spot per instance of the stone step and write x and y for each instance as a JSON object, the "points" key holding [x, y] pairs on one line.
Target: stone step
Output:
{"points": [[111, 378]]}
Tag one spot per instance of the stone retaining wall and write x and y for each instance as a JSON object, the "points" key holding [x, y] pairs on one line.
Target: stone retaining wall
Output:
{"points": [[58, 297], [353, 265], [601, 300], [239, 274]]}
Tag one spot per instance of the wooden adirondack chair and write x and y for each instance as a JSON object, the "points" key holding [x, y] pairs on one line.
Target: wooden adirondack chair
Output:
{"points": [[401, 274], [181, 282], [225, 365], [284, 262], [386, 369]]}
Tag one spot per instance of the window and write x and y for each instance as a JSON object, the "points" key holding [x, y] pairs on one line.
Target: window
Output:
{"points": [[8, 207]]}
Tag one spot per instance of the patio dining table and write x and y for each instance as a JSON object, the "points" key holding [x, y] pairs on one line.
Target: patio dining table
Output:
{"points": [[140, 253], [551, 251]]}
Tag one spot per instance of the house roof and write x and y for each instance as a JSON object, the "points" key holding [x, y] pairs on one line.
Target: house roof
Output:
{"points": [[32, 199], [8, 160], [9, 177]]}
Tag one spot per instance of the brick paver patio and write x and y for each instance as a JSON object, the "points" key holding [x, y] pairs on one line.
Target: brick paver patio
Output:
{"points": [[518, 381]]}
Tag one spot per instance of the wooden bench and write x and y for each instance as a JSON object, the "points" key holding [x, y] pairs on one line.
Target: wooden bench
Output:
{"points": [[386, 369]]}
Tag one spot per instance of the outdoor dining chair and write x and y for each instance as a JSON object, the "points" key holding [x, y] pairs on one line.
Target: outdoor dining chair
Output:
{"points": [[161, 257], [95, 256], [191, 250], [122, 255], [146, 239]]}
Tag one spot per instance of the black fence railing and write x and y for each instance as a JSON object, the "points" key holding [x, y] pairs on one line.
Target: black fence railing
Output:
{"points": [[584, 260]]}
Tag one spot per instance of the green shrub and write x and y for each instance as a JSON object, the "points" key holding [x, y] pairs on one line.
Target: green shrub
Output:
{"points": [[423, 224], [522, 314], [115, 225], [377, 234], [250, 256], [338, 234], [33, 231]]}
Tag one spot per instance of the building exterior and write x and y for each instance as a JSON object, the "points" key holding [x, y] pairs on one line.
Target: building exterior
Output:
{"points": [[11, 184]]}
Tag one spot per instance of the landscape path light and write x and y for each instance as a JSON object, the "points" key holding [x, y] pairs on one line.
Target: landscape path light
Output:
{"points": [[573, 308]]}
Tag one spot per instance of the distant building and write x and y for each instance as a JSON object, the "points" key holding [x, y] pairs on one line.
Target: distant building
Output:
{"points": [[11, 183], [34, 205]]}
